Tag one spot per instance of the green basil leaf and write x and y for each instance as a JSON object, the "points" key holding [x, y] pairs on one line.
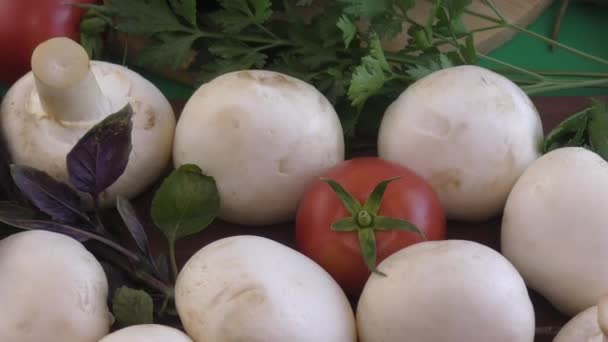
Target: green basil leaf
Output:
{"points": [[132, 307], [186, 203]]}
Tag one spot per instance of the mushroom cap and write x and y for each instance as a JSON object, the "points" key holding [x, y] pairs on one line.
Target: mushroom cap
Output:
{"points": [[450, 290], [469, 132], [554, 228], [34, 138], [147, 333], [263, 136], [250, 288], [51, 289], [583, 327]]}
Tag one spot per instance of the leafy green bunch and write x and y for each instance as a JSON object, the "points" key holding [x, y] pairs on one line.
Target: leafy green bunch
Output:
{"points": [[338, 46]]}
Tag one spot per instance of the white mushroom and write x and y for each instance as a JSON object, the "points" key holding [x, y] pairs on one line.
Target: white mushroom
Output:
{"points": [[591, 325], [469, 132], [147, 333], [50, 108], [554, 228], [263, 136], [249, 288], [451, 290], [51, 289]]}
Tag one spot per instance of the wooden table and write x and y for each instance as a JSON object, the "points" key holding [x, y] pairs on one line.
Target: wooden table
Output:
{"points": [[552, 110]]}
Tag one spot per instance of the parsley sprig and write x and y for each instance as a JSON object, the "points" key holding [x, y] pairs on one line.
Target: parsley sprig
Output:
{"points": [[338, 48]]}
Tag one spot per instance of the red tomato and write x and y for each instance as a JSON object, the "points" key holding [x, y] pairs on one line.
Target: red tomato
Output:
{"points": [[26, 23], [409, 198]]}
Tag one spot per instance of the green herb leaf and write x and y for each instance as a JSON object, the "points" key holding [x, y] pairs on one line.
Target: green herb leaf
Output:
{"points": [[186, 203], [368, 79], [598, 128], [570, 132], [366, 8], [468, 50], [145, 17], [348, 28], [262, 10], [367, 242], [372, 205], [132, 307], [185, 9], [347, 224], [352, 205], [167, 50]]}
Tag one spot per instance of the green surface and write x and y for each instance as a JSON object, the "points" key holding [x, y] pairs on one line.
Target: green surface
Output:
{"points": [[584, 27]]}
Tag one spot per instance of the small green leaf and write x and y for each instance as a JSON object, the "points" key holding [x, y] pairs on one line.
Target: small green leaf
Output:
{"points": [[372, 205], [346, 224], [468, 50], [348, 28], [377, 52], [352, 205], [262, 10], [390, 223], [185, 9], [367, 80], [570, 132], [186, 203], [132, 307], [366, 8], [598, 128], [167, 50], [367, 242]]}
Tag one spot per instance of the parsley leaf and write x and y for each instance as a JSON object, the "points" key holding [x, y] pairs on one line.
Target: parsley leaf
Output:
{"points": [[167, 50], [185, 9], [145, 17], [366, 8], [370, 76], [348, 28]]}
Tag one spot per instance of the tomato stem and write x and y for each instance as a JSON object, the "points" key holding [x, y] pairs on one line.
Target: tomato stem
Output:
{"points": [[364, 219]]}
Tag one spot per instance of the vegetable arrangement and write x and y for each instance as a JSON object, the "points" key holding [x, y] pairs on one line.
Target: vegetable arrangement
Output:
{"points": [[261, 147]]}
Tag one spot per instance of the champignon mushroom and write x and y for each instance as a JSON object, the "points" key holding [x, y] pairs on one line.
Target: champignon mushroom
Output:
{"points": [[469, 132], [440, 291], [591, 325], [51, 289], [250, 288], [554, 228], [147, 333], [263, 136], [46, 111]]}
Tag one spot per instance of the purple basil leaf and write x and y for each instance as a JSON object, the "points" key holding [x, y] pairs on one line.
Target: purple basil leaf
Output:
{"points": [[100, 157], [51, 226], [127, 212], [52, 197]]}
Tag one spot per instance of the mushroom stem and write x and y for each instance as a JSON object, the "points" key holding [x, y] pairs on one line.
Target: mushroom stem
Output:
{"points": [[65, 83], [602, 316]]}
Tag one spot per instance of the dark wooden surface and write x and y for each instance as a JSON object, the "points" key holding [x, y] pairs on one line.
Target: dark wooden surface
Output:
{"points": [[552, 111]]}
